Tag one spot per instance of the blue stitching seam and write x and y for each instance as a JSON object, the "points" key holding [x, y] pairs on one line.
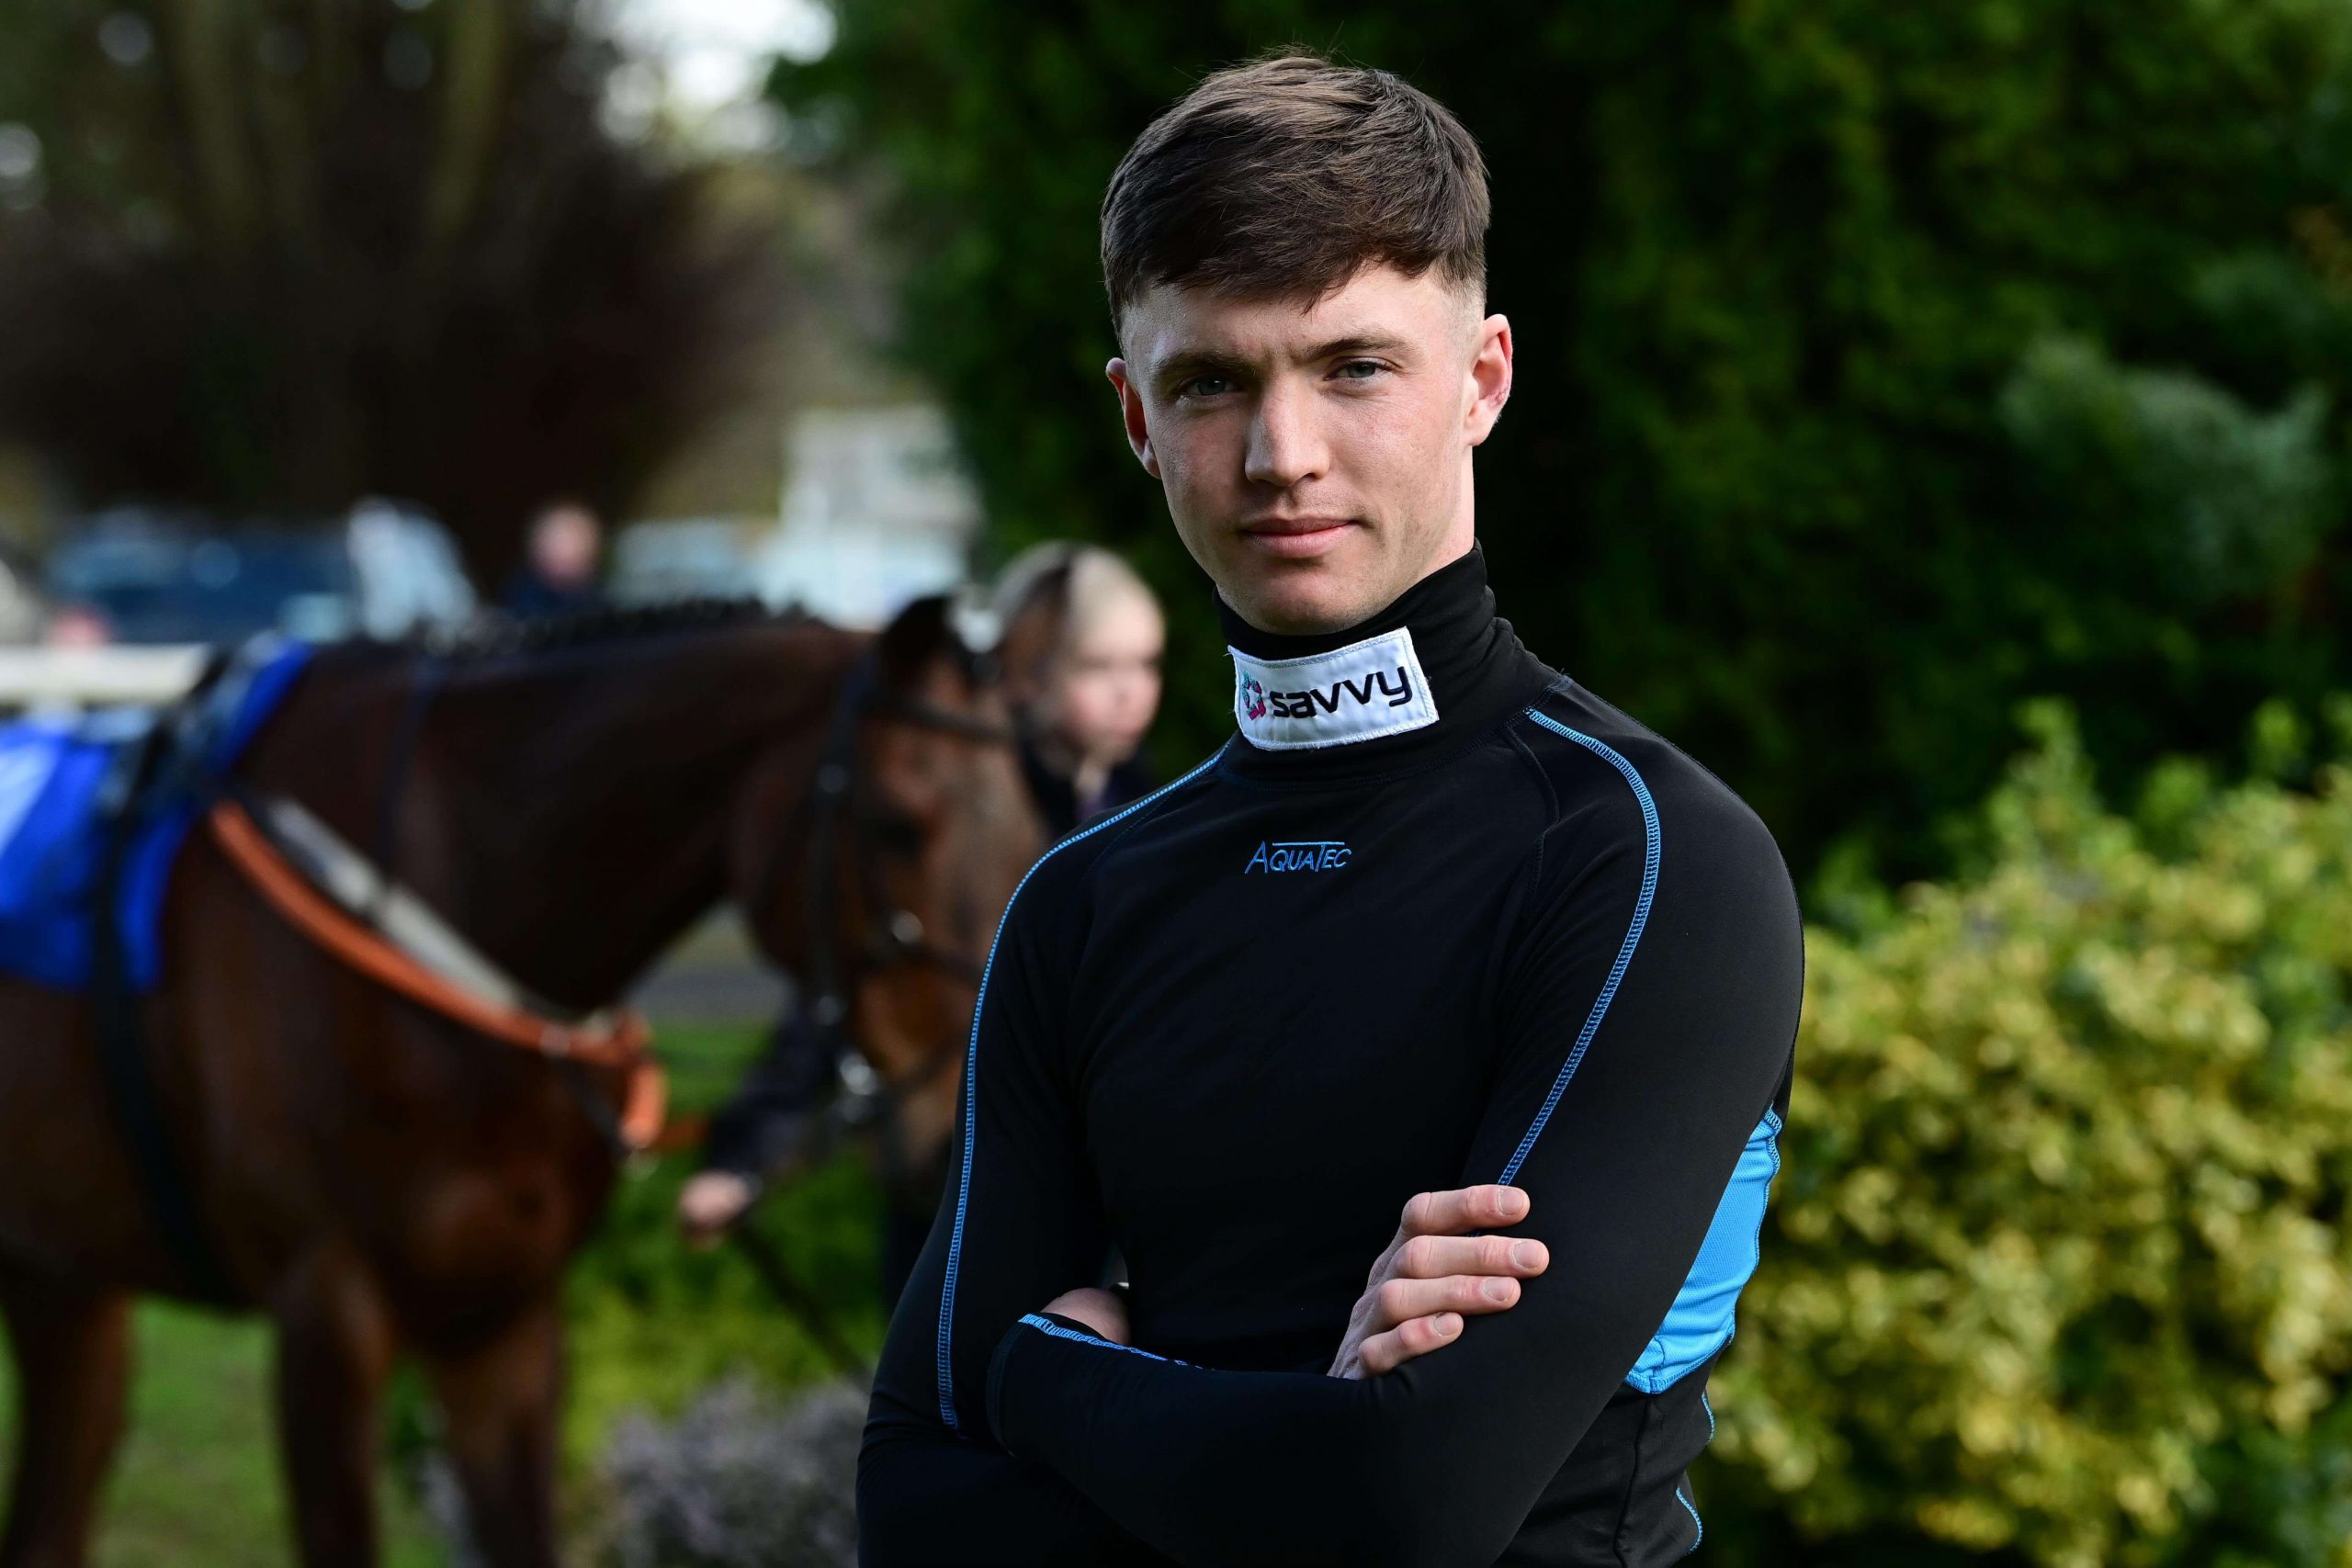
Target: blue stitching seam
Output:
{"points": [[1633, 934], [1711, 1414], [971, 1091], [1771, 1148], [1048, 1326], [1697, 1523]]}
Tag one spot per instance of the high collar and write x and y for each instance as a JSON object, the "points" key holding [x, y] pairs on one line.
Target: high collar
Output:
{"points": [[1404, 687]]}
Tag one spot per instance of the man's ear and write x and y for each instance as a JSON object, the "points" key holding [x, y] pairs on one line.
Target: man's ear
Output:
{"points": [[1131, 413], [1489, 380]]}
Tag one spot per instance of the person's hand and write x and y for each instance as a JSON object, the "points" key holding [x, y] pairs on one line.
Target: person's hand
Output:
{"points": [[1433, 1273], [1100, 1311], [710, 1203]]}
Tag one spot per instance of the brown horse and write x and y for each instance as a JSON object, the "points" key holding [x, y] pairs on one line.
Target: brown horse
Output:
{"points": [[382, 1181]]}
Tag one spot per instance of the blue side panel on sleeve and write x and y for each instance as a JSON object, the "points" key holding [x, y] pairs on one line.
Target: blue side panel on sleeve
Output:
{"points": [[1700, 1321]]}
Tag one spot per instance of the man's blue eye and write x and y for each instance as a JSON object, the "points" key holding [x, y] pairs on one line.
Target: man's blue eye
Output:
{"points": [[1361, 369], [1203, 386]]}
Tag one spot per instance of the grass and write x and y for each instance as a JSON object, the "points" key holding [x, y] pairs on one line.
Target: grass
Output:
{"points": [[197, 1482]]}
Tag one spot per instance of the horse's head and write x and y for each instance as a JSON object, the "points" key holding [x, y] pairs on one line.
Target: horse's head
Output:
{"points": [[880, 853]]}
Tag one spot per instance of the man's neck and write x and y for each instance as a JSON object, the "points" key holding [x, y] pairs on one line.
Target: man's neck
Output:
{"points": [[1404, 684], [1444, 557]]}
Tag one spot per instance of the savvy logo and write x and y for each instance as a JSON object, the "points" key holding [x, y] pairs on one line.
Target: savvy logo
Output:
{"points": [[1303, 704], [1369, 688]]}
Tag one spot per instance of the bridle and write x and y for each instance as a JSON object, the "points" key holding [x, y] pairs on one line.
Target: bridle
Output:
{"points": [[893, 936]]}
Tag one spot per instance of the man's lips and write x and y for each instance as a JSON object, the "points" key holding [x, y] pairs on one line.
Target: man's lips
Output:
{"points": [[1295, 537]]}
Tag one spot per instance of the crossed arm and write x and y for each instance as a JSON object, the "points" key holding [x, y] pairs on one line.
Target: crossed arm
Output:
{"points": [[1629, 1084]]}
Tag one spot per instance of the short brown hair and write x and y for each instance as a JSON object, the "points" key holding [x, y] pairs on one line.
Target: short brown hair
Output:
{"points": [[1286, 176]]}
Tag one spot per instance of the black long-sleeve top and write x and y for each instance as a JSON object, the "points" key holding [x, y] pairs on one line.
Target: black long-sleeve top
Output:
{"points": [[1437, 916]]}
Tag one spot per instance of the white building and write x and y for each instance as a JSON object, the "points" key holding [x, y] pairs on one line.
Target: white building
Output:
{"points": [[877, 509]]}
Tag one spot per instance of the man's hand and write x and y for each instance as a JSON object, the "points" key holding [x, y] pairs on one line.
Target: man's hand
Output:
{"points": [[1432, 1274], [1100, 1311]]}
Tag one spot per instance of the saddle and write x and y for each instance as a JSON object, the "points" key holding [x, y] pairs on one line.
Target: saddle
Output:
{"points": [[108, 798]]}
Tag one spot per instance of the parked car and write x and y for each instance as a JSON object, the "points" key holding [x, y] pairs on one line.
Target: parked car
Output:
{"points": [[684, 557], [152, 577]]}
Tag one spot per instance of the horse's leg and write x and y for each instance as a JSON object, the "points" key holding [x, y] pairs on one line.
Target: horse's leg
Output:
{"points": [[72, 1351], [500, 1403], [335, 1344]]}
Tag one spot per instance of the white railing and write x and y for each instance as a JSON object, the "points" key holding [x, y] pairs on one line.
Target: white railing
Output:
{"points": [[96, 677]]}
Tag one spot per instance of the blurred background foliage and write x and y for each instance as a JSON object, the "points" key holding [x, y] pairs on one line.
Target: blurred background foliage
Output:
{"points": [[1878, 365], [268, 257]]}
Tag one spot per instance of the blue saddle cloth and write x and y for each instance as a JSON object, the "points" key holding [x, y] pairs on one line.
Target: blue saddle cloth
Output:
{"points": [[62, 787]]}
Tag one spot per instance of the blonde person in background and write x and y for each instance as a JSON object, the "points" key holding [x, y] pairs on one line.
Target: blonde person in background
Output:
{"points": [[1080, 649], [1080, 646]]}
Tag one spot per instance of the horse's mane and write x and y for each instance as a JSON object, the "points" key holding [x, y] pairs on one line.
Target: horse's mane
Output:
{"points": [[500, 637]]}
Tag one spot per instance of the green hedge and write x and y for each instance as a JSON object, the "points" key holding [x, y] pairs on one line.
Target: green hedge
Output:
{"points": [[2057, 1268]]}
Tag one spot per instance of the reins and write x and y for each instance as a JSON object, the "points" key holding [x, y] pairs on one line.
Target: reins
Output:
{"points": [[895, 940]]}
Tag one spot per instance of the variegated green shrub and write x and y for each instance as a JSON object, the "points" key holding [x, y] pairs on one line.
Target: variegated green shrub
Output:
{"points": [[2062, 1218]]}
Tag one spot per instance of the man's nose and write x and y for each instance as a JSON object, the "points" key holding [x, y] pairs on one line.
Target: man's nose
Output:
{"points": [[1286, 446]]}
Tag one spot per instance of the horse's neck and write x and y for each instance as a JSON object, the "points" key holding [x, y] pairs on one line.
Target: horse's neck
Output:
{"points": [[571, 814]]}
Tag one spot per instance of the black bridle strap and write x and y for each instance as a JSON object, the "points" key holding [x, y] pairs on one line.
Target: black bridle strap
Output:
{"points": [[832, 791]]}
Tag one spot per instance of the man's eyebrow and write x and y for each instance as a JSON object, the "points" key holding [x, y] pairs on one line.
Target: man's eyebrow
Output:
{"points": [[1194, 362], [1357, 343], [1184, 366]]}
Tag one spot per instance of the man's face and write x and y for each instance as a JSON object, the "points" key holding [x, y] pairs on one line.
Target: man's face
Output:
{"points": [[1317, 458]]}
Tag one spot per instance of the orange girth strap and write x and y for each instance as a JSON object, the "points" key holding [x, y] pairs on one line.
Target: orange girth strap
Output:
{"points": [[623, 1043]]}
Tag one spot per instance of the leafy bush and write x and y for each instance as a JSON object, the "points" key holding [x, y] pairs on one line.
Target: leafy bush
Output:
{"points": [[2058, 1266], [654, 1323]]}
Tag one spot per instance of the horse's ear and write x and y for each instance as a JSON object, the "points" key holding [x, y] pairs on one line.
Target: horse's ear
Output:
{"points": [[920, 635]]}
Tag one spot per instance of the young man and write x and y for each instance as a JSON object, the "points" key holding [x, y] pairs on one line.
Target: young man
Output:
{"points": [[1437, 921]]}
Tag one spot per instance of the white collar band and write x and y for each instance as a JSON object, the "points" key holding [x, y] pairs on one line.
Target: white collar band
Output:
{"points": [[1361, 692]]}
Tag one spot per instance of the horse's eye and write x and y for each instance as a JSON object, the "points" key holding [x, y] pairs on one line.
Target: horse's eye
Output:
{"points": [[896, 832]]}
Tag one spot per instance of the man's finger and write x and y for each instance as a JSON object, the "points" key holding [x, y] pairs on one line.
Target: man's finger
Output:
{"points": [[1461, 1209], [1417, 1336], [1400, 1302], [1435, 1257]]}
